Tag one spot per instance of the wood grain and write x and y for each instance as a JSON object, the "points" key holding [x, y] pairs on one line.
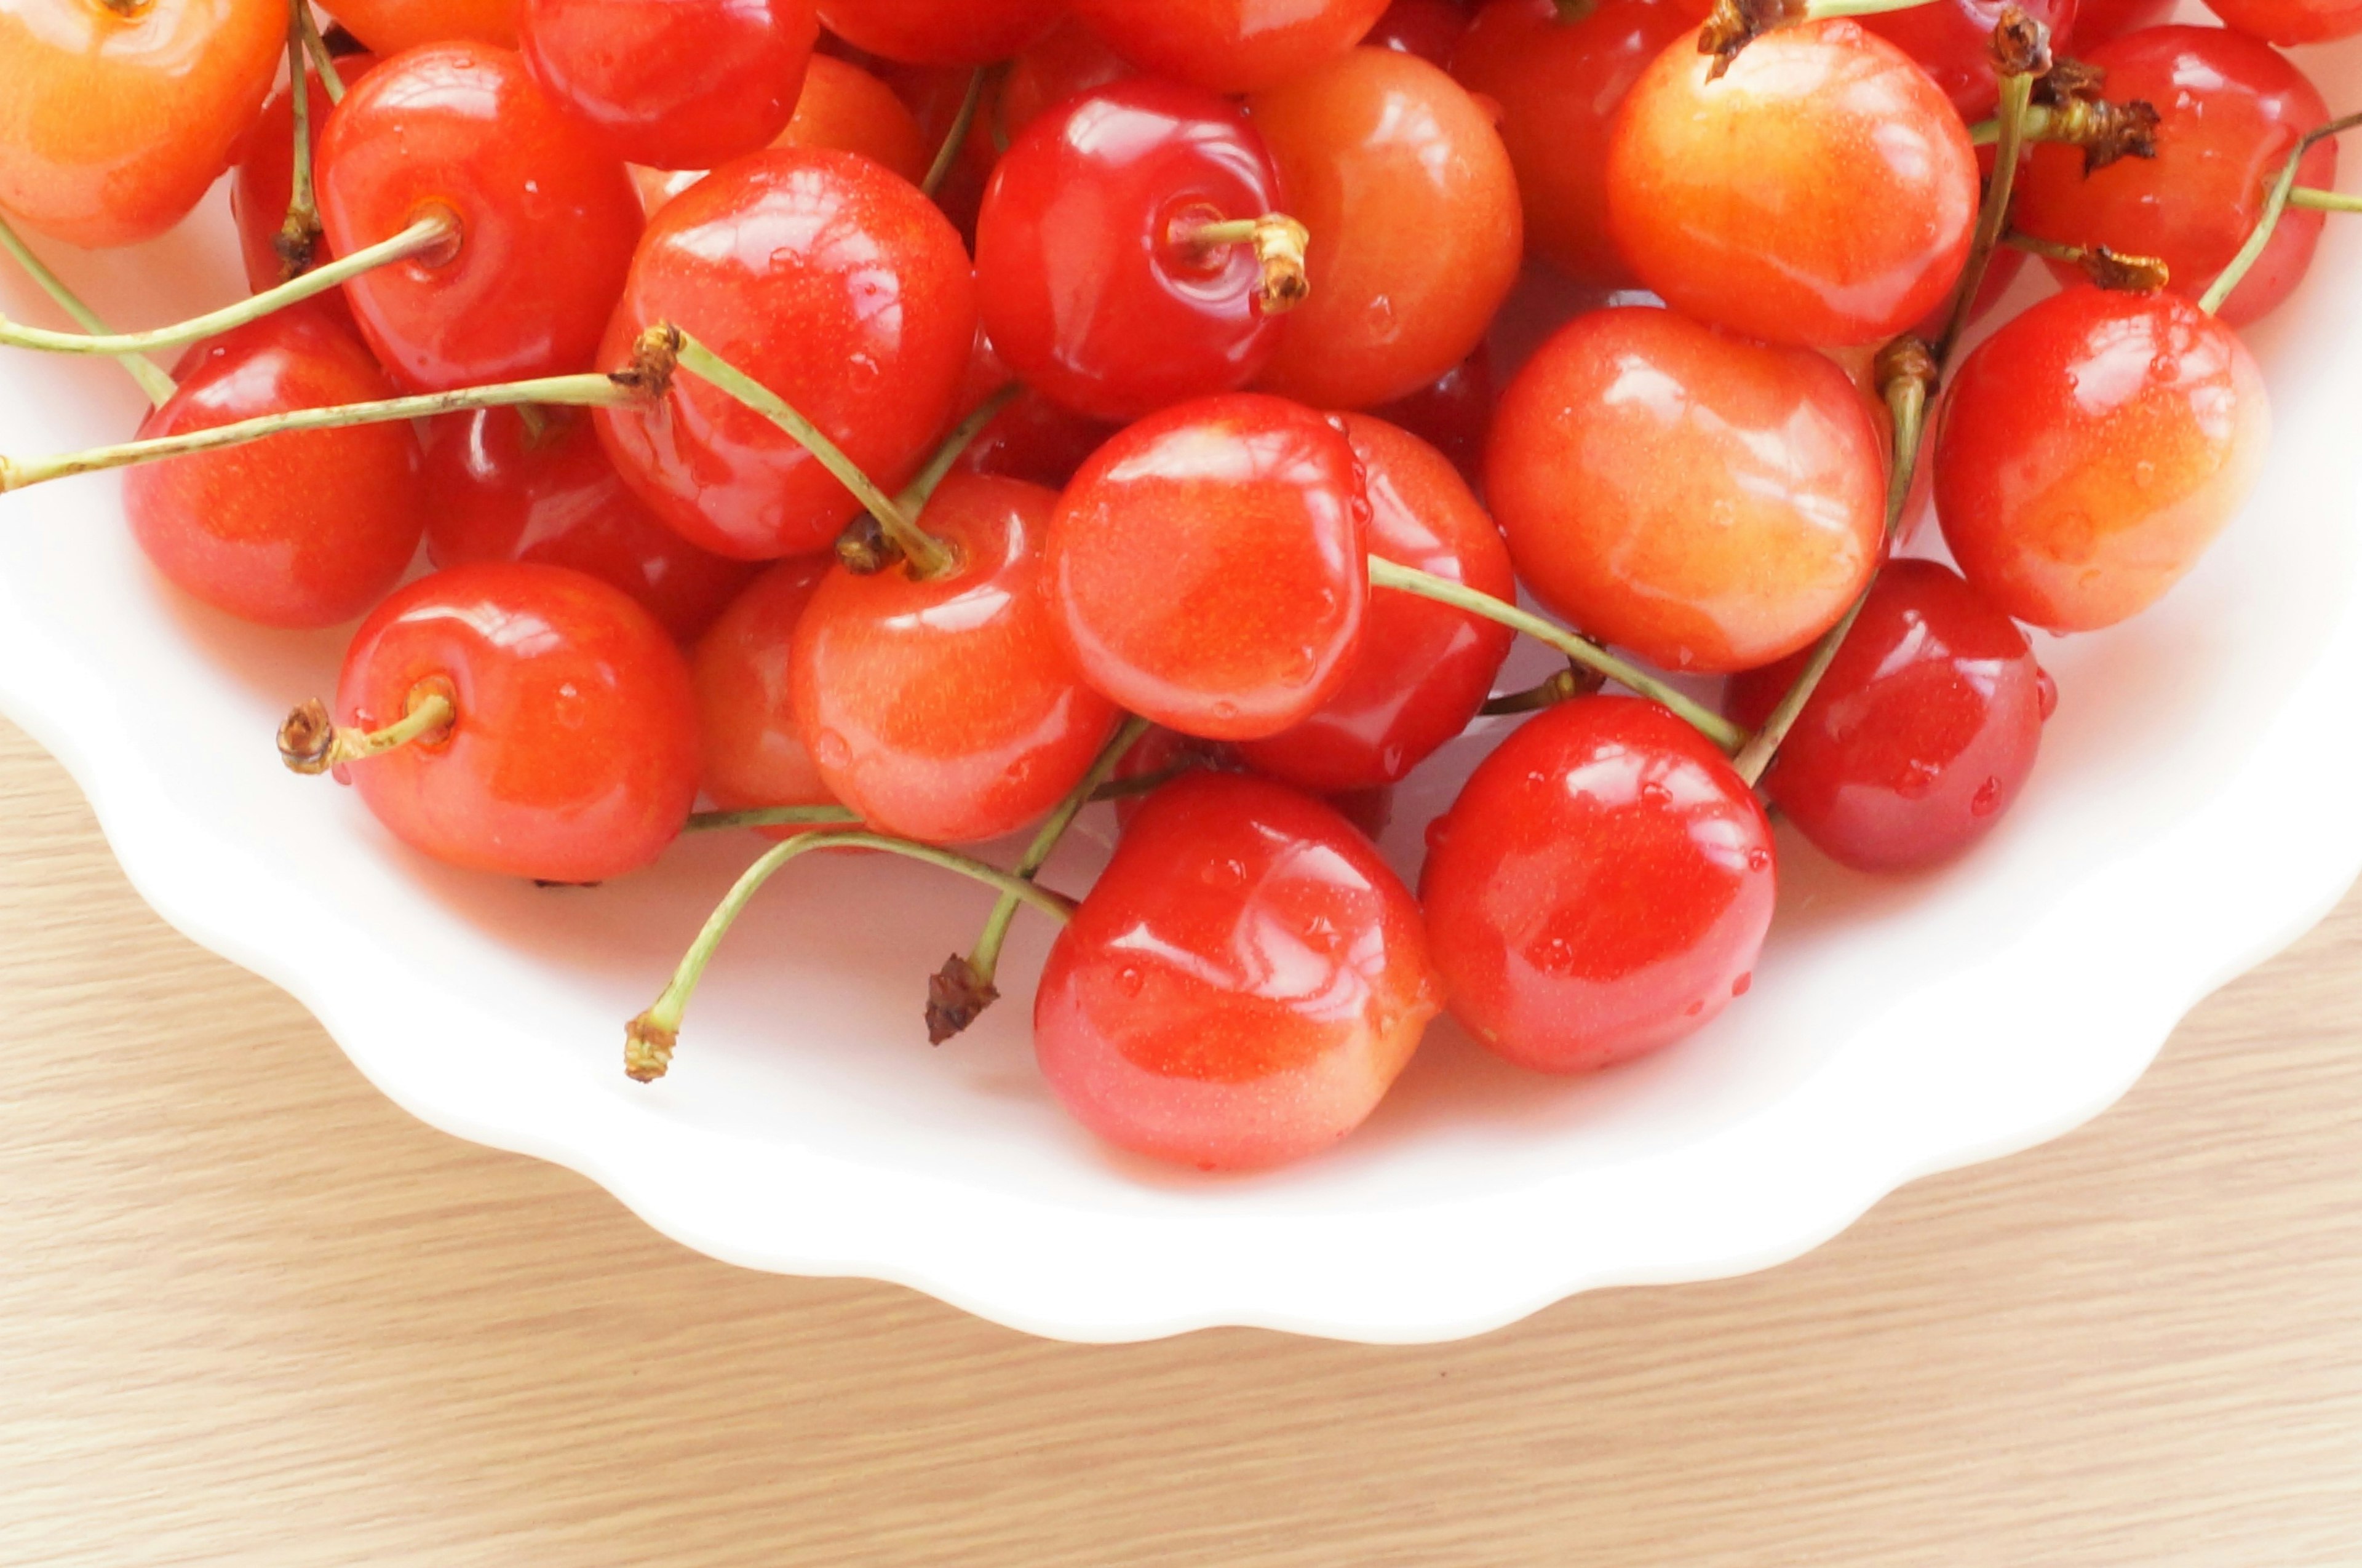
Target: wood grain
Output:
{"points": [[251, 1313]]}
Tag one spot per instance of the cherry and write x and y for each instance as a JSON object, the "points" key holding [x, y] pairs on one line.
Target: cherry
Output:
{"points": [[389, 27], [1560, 74], [672, 83], [940, 32], [1454, 413], [1600, 889], [498, 490], [1431, 30], [1093, 283], [842, 107], [1424, 668], [572, 754], [2230, 112], [546, 225], [1730, 502], [2288, 22], [1416, 233], [829, 281], [937, 97], [1821, 190], [2090, 450], [946, 710], [114, 120], [1920, 734], [754, 751], [1230, 46], [265, 180], [2097, 21], [1952, 41], [296, 531], [1242, 986], [1207, 566], [1064, 62]]}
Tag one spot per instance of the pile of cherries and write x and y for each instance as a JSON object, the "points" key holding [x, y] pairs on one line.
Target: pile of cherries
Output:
{"points": [[902, 423]]}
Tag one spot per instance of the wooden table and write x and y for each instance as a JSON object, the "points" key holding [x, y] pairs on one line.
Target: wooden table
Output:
{"points": [[250, 1312]]}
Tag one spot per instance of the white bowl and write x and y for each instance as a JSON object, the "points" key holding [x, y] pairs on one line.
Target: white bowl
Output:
{"points": [[2194, 809]]}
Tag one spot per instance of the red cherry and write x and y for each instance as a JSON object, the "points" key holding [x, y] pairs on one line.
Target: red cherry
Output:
{"points": [[843, 106], [1454, 413], [295, 531], [1822, 191], [112, 125], [1092, 286], [753, 741], [672, 83], [1710, 504], [2289, 22], [1207, 566], [499, 492], [947, 710], [1417, 234], [1559, 76], [1921, 734], [1064, 62], [389, 26], [546, 223], [936, 95], [1424, 668], [1240, 987], [573, 757], [940, 32], [2090, 450], [831, 282], [1952, 41], [2230, 112], [1600, 889], [1431, 30], [265, 179], [1230, 46], [2098, 21]]}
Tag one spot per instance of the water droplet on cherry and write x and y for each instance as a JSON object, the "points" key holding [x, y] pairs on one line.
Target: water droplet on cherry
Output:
{"points": [[1988, 799], [2045, 692], [830, 750], [1739, 987]]}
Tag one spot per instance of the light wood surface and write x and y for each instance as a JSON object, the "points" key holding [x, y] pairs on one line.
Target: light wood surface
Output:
{"points": [[251, 1313]]}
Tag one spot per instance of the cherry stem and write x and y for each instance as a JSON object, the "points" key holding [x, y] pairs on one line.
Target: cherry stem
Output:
{"points": [[324, 63], [146, 371], [1823, 10], [921, 489], [947, 155], [298, 240], [2310, 200], [2259, 238], [830, 816], [649, 1039], [1992, 217], [309, 742], [1731, 25], [1279, 243], [2106, 268], [928, 557], [434, 229], [1563, 687], [1384, 573], [584, 390], [1908, 372]]}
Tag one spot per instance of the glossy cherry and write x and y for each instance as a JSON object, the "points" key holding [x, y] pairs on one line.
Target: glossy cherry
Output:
{"points": [[1727, 502], [112, 125], [2090, 450], [265, 178], [752, 740], [842, 107], [672, 83], [1952, 41], [947, 710], [2097, 21], [940, 32], [1920, 735], [2230, 112], [389, 27], [1821, 190], [1416, 233], [2289, 22], [573, 756], [1092, 283], [833, 282], [1230, 46], [546, 223], [1453, 412], [1209, 566], [1600, 889], [1242, 984], [499, 490], [295, 531], [1558, 74], [1067, 60], [1424, 668], [1431, 30]]}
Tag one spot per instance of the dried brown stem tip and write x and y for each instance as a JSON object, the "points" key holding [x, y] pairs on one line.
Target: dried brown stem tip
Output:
{"points": [[654, 355], [306, 737], [1908, 359], [864, 548], [1279, 243], [2105, 131], [957, 996], [2069, 80], [2021, 46], [311, 743], [647, 1049], [297, 244], [2126, 274], [1734, 23]]}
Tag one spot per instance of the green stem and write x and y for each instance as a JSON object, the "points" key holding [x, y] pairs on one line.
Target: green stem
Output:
{"points": [[984, 960], [1410, 579], [298, 240], [436, 228], [1992, 217], [1563, 687], [1822, 10], [921, 489], [955, 138], [2310, 200], [583, 391], [650, 1038], [927, 554], [146, 372], [833, 816], [2276, 202], [324, 64]]}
